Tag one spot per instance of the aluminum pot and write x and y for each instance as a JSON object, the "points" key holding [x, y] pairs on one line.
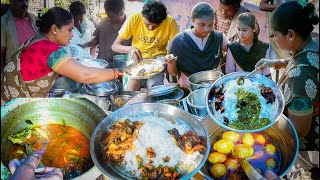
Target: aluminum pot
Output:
{"points": [[78, 113], [203, 79], [282, 132], [197, 102], [134, 111]]}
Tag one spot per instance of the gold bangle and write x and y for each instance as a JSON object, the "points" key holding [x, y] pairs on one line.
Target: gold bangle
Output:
{"points": [[113, 74], [116, 70]]}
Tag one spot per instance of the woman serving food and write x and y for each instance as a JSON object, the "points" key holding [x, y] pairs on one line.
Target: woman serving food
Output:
{"points": [[291, 26], [34, 67]]}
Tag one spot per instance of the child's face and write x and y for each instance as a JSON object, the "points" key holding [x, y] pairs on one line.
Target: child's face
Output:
{"points": [[245, 32], [203, 26], [116, 18]]}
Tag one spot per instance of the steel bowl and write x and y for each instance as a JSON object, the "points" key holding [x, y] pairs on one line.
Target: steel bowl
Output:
{"points": [[203, 79], [78, 113], [283, 134], [279, 103], [197, 102], [124, 98], [101, 89], [134, 111], [98, 63]]}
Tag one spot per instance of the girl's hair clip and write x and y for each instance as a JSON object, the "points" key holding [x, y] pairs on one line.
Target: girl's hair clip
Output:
{"points": [[303, 3]]}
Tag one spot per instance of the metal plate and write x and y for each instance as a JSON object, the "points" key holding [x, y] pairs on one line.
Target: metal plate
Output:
{"points": [[176, 94], [97, 63], [129, 67], [279, 103], [162, 90]]}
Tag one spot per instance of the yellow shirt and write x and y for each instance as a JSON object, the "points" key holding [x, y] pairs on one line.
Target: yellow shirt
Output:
{"points": [[150, 43]]}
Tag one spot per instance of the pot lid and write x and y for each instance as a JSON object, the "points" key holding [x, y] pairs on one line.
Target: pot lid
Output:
{"points": [[162, 89], [101, 89]]}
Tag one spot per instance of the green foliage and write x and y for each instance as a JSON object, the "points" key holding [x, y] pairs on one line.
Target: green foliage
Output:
{"points": [[5, 2], [66, 3]]}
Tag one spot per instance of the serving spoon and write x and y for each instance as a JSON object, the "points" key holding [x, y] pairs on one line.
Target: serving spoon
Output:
{"points": [[252, 173], [240, 80]]}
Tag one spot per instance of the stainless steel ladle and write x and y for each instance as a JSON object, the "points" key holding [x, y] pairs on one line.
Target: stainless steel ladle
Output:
{"points": [[240, 80]]}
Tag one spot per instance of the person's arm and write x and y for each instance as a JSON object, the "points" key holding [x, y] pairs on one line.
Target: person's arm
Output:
{"points": [[25, 169], [133, 51], [76, 71], [266, 71], [276, 64], [93, 51], [172, 67], [225, 43], [92, 43], [266, 6], [300, 112], [230, 63]]}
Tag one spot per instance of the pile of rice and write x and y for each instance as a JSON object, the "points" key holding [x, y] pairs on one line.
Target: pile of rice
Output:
{"points": [[149, 67], [230, 100], [91, 63], [154, 133]]}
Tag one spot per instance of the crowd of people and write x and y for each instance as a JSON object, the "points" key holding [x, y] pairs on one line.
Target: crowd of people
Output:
{"points": [[224, 39]]}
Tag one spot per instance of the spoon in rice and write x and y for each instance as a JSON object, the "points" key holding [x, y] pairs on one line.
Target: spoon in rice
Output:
{"points": [[240, 80]]}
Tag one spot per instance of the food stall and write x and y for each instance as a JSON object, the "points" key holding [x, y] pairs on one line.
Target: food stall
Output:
{"points": [[273, 145]]}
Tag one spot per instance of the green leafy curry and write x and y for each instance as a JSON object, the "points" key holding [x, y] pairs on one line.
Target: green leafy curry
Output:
{"points": [[249, 110]]}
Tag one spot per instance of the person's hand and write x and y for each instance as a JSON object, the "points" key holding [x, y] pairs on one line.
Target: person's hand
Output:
{"points": [[25, 169], [135, 54], [170, 59], [263, 63]]}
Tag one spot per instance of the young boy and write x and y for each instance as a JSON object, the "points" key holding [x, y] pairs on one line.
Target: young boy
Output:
{"points": [[107, 30], [150, 31]]}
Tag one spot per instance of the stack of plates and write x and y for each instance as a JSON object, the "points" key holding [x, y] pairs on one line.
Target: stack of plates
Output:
{"points": [[162, 90]]}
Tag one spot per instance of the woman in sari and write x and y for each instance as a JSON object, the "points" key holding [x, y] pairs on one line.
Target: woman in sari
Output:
{"points": [[34, 67], [291, 26]]}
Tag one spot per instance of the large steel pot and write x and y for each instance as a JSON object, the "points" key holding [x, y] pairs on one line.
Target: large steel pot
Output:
{"points": [[134, 111], [283, 134], [63, 84], [203, 79], [78, 113]]}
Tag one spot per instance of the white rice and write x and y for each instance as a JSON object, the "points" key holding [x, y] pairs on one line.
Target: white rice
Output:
{"points": [[91, 63], [154, 133], [153, 66], [230, 100]]}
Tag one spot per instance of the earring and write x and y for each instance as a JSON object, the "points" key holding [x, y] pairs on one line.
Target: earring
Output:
{"points": [[291, 39], [54, 32]]}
